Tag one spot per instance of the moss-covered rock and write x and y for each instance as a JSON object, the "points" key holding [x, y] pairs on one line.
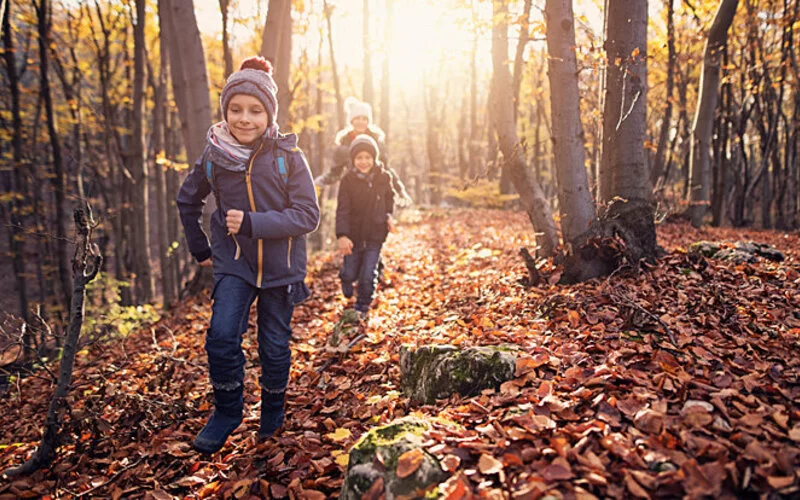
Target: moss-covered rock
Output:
{"points": [[433, 372], [704, 248], [740, 253], [376, 455], [344, 328]]}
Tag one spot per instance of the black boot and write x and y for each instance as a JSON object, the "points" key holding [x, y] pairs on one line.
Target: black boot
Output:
{"points": [[271, 413], [226, 418]]}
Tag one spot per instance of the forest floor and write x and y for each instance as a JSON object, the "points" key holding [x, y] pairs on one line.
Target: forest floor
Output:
{"points": [[605, 404]]}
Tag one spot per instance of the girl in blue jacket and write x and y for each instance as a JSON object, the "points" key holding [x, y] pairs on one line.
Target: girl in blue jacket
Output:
{"points": [[266, 204]]}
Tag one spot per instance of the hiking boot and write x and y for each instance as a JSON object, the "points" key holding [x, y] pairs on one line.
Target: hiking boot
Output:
{"points": [[272, 413], [226, 418]]}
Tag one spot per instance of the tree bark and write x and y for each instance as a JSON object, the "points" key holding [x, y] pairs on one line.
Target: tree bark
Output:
{"points": [[224, 8], [385, 76], [531, 195], [575, 200], [138, 167], [666, 123], [160, 92], [276, 46], [699, 159], [43, 11], [624, 178], [189, 75], [85, 265], [14, 179], [340, 116]]}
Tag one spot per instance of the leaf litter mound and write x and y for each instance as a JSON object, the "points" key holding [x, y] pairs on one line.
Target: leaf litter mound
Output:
{"points": [[673, 379]]}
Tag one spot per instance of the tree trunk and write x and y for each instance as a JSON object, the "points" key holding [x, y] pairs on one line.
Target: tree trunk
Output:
{"points": [[85, 265], [276, 46], [629, 216], [519, 56], [160, 92], [14, 182], [224, 8], [43, 11], [340, 116], [575, 200], [368, 88], [699, 161], [666, 123], [531, 195], [138, 167], [189, 75]]}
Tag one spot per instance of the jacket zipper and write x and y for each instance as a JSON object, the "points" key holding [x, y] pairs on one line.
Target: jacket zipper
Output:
{"points": [[253, 208]]}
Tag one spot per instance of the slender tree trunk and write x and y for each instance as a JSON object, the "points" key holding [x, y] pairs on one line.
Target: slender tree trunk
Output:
{"points": [[138, 167], [340, 116], [224, 8], [474, 130], [368, 89], [276, 46], [58, 180], [531, 195], [666, 123], [189, 75], [15, 182], [85, 266], [160, 92], [575, 200], [699, 161], [519, 56]]}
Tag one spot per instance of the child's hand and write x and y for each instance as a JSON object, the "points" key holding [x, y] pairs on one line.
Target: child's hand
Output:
{"points": [[345, 245], [390, 222], [207, 263], [233, 219]]}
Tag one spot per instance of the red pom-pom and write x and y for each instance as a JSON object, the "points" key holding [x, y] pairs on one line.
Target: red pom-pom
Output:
{"points": [[257, 62]]}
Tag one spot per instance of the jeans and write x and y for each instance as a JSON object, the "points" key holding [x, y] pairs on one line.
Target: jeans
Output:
{"points": [[232, 298], [362, 266]]}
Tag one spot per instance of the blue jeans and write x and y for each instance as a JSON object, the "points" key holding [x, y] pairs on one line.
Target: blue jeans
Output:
{"points": [[232, 298], [362, 266]]}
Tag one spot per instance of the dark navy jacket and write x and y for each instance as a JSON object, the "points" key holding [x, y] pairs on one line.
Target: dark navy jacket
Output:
{"points": [[281, 213], [363, 205]]}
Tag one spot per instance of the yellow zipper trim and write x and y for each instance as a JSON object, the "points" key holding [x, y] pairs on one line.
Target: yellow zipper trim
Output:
{"points": [[238, 248], [253, 208], [289, 254]]}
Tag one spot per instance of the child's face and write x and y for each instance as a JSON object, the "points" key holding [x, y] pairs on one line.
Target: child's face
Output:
{"points": [[360, 124], [363, 161], [247, 118]]}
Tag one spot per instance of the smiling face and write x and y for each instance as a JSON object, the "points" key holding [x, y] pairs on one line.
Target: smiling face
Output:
{"points": [[247, 118], [363, 161], [360, 124]]}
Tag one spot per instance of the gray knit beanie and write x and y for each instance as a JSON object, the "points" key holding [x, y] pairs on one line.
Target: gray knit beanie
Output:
{"points": [[364, 142], [253, 78]]}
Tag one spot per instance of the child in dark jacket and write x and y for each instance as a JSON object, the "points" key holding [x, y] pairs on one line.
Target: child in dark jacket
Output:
{"points": [[359, 121], [266, 204], [363, 220]]}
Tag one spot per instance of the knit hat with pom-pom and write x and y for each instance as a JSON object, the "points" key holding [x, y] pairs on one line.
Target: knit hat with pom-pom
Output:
{"points": [[355, 108], [363, 142], [253, 78]]}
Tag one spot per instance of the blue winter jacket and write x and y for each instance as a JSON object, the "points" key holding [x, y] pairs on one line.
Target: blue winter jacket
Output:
{"points": [[282, 211]]}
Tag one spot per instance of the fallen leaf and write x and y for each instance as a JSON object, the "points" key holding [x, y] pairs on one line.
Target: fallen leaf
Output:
{"points": [[339, 435], [487, 464], [409, 462]]}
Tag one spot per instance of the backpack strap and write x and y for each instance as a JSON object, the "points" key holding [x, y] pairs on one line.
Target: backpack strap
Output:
{"points": [[210, 178]]}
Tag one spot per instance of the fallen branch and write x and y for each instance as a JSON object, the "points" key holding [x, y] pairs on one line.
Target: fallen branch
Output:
{"points": [[85, 265]]}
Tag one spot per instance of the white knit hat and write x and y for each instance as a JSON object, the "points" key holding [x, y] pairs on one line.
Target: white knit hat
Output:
{"points": [[355, 108]]}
